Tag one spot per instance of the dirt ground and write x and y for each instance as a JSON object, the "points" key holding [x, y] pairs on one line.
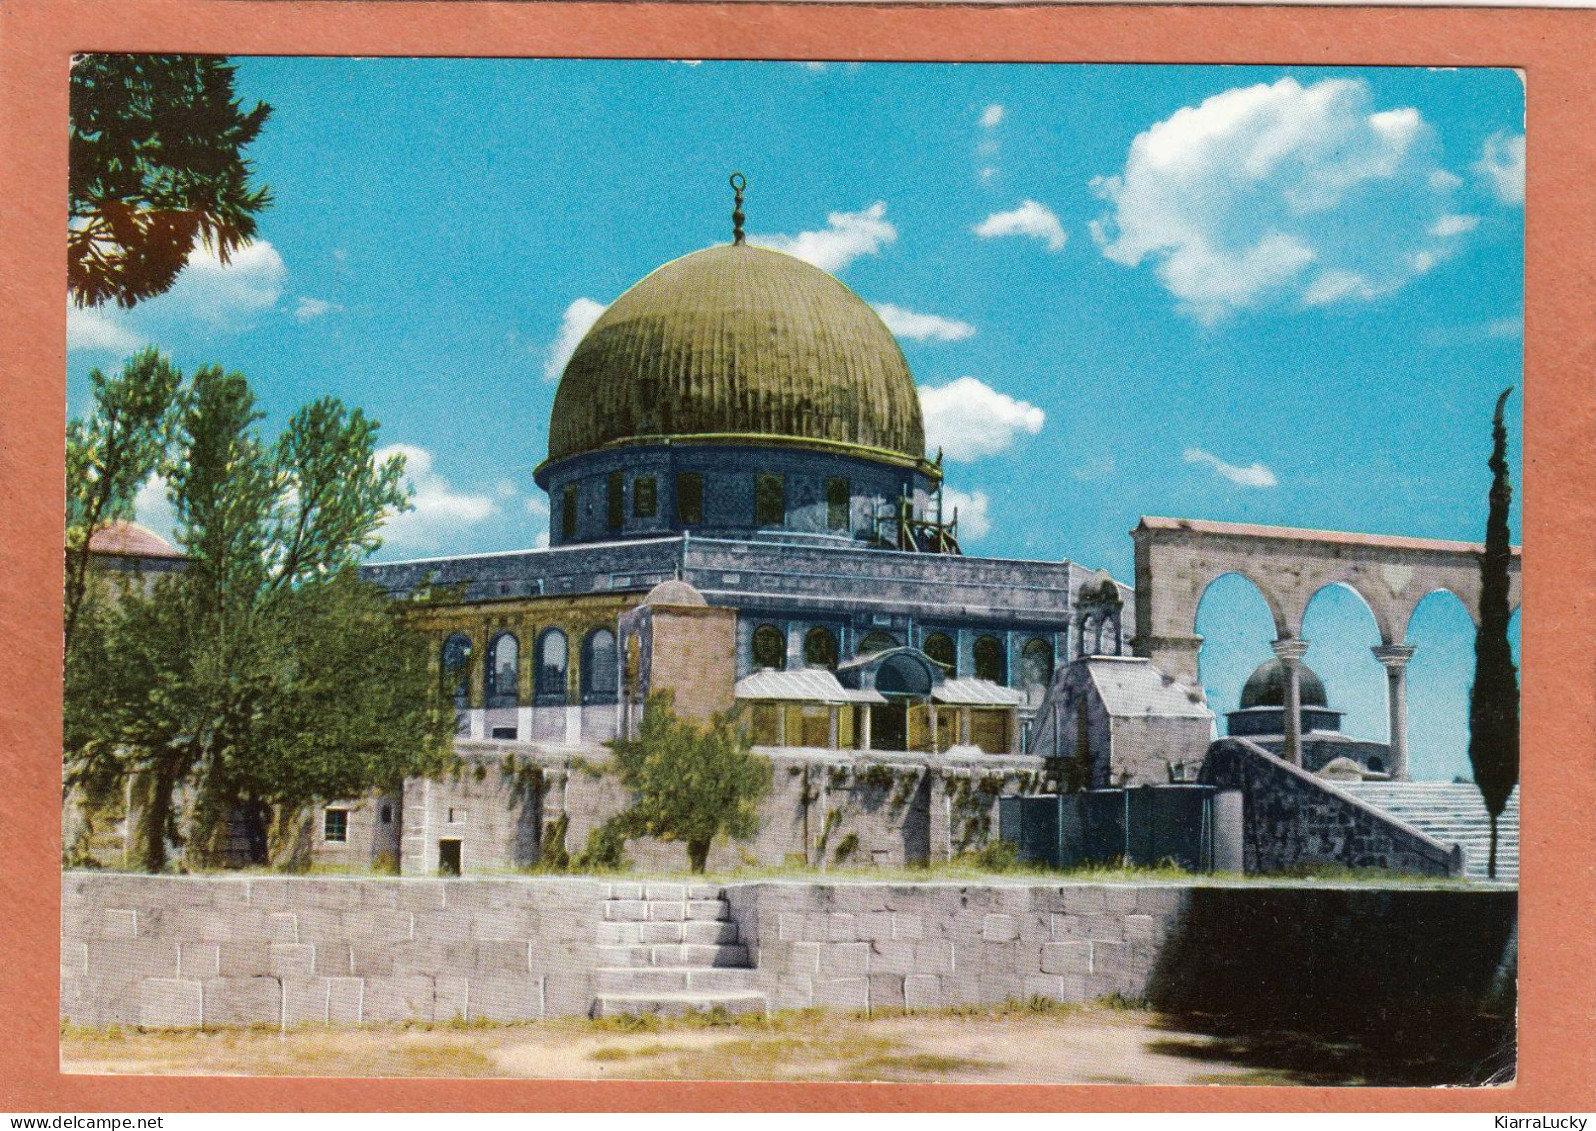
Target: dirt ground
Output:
{"points": [[1081, 1045]]}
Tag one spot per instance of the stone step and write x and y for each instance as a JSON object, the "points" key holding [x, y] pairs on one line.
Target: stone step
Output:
{"points": [[677, 1005], [724, 957], [672, 979]]}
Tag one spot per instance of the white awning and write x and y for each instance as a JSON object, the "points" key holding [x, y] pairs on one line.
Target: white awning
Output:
{"points": [[811, 685], [971, 692]]}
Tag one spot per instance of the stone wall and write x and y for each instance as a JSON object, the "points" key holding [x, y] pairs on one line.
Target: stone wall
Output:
{"points": [[195, 951], [1291, 819]]}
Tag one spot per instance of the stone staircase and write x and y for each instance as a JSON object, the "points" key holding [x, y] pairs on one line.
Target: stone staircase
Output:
{"points": [[1452, 813], [671, 949]]}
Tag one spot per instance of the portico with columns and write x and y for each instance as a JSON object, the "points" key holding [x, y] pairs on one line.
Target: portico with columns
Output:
{"points": [[1177, 559]]}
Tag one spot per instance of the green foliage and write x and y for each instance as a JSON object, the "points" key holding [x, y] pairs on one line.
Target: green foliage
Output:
{"points": [[1493, 698], [156, 170], [688, 783], [108, 458], [552, 853], [605, 850], [264, 675], [847, 848], [994, 856]]}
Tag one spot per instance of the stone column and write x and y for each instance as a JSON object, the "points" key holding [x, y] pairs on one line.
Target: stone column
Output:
{"points": [[1395, 657], [832, 728], [864, 726], [1290, 652]]}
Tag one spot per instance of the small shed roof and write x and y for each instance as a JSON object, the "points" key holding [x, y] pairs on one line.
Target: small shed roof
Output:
{"points": [[970, 692], [809, 685], [1132, 687]]}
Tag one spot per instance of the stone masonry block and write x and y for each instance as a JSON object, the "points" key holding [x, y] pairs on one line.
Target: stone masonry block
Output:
{"points": [[420, 895], [1120, 900], [933, 956], [304, 1001], [199, 960], [1085, 900], [906, 926], [1036, 926], [496, 997], [803, 957], [451, 999], [1050, 986], [995, 988], [886, 991], [293, 960], [501, 957], [844, 959], [999, 928], [842, 993], [841, 927], [505, 923], [380, 925], [892, 957], [620, 934], [660, 934], [626, 891], [401, 998], [923, 991], [242, 959], [703, 891], [794, 992], [369, 962], [674, 892], [283, 927], [243, 1001], [132, 959], [334, 959], [119, 923], [874, 925], [345, 997], [169, 1003], [1067, 958], [1140, 927]]}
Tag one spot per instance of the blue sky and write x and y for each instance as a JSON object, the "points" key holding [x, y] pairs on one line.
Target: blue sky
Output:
{"points": [[1279, 295]]}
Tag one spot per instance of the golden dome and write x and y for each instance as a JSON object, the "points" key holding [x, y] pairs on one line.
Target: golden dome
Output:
{"points": [[739, 343]]}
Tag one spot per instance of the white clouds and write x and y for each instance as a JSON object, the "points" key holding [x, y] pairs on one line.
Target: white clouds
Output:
{"points": [[439, 509], [97, 328], [974, 521], [152, 509], [574, 325], [992, 116], [1282, 193], [969, 420], [922, 327], [207, 298], [1253, 475], [846, 237], [226, 298], [1501, 166], [1029, 219], [310, 309]]}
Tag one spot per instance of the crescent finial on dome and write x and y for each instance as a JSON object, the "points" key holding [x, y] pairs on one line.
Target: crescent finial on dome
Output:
{"points": [[738, 183]]}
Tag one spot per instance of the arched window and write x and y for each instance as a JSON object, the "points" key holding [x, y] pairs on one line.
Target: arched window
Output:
{"points": [[598, 666], [820, 648], [553, 656], [770, 647], [989, 663], [503, 664], [939, 646], [877, 642], [1036, 664], [455, 663]]}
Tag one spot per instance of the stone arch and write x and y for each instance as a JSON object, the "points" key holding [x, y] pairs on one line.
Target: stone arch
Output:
{"points": [[1342, 631], [1228, 656]]}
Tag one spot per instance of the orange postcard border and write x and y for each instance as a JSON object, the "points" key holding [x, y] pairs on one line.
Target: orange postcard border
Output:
{"points": [[1553, 48]]}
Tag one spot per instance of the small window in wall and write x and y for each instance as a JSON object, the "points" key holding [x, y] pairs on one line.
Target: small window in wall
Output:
{"points": [[770, 647], [690, 498], [598, 666], [617, 500], [456, 665], [449, 862], [386, 814], [509, 733], [503, 668], [335, 825], [456, 816], [820, 648], [552, 659], [568, 513], [877, 642], [939, 646], [1036, 664], [770, 499], [989, 660], [645, 497], [837, 509]]}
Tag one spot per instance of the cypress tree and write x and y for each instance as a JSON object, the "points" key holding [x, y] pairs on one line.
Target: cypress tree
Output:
{"points": [[1493, 700]]}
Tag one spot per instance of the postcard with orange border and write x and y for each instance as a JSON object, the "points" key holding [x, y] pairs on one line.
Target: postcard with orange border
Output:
{"points": [[797, 557]]}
